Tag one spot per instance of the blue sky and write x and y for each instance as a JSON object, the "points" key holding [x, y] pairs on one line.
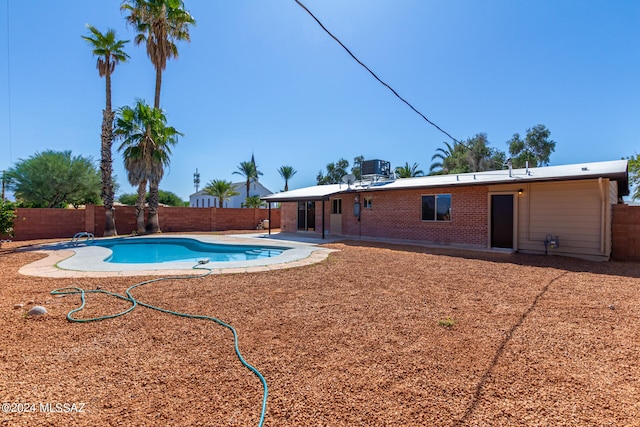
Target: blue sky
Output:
{"points": [[262, 77]]}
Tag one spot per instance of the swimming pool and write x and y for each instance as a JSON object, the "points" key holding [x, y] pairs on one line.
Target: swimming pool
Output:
{"points": [[141, 250], [88, 259]]}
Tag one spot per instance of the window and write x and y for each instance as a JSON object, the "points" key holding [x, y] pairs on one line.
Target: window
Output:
{"points": [[336, 206], [368, 202], [436, 207]]}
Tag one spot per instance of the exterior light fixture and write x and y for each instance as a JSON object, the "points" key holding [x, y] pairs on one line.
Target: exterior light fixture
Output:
{"points": [[520, 191]]}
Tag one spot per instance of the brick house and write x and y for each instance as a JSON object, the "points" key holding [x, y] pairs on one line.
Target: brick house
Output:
{"points": [[564, 210]]}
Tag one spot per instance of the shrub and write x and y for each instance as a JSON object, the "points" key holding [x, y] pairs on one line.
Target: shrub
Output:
{"points": [[7, 214]]}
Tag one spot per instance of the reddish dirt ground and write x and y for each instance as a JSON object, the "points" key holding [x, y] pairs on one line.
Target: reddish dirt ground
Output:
{"points": [[376, 335]]}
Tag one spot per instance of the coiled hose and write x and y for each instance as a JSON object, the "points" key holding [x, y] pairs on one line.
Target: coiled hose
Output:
{"points": [[134, 303]]}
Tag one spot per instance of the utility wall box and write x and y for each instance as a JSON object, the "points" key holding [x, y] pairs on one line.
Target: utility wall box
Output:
{"points": [[376, 167]]}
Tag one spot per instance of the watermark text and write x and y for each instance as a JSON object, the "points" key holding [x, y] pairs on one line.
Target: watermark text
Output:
{"points": [[48, 407]]}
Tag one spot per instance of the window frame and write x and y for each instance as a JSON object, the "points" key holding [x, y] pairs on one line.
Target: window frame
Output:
{"points": [[367, 202], [435, 207], [336, 203]]}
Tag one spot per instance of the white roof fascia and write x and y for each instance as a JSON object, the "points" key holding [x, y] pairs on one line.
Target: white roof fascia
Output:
{"points": [[317, 192], [504, 176], [615, 168]]}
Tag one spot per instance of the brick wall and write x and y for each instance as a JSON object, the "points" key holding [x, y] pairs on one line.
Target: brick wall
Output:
{"points": [[625, 232], [31, 223], [289, 217], [47, 223], [125, 219], [397, 214]]}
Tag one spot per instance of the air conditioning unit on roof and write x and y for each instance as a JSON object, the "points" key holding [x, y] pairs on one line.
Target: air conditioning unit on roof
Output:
{"points": [[376, 168]]}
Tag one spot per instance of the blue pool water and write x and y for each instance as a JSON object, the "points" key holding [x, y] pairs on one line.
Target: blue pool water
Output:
{"points": [[153, 250]]}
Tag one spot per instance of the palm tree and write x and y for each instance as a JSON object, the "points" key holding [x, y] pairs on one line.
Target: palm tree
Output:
{"points": [[407, 171], [159, 24], [110, 52], [253, 202], [443, 155], [146, 146], [250, 171], [286, 172], [221, 189]]}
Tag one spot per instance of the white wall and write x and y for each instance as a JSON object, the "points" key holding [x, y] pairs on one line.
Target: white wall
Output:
{"points": [[202, 200], [578, 212]]}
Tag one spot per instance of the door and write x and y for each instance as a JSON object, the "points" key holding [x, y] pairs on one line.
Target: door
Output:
{"points": [[336, 216], [306, 216], [502, 221]]}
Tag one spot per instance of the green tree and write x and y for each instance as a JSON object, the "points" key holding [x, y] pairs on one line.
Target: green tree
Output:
{"points": [[480, 157], [472, 155], [159, 24], [441, 157], [535, 148], [634, 175], [128, 199], [110, 52], [146, 148], [335, 172], [7, 215], [250, 171], [54, 179], [164, 197], [286, 172], [407, 171], [253, 202], [169, 198], [356, 170], [221, 189]]}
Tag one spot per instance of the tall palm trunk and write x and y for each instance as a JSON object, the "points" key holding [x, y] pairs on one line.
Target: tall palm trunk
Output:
{"points": [[153, 226], [156, 100], [110, 52], [106, 169], [106, 162], [142, 195]]}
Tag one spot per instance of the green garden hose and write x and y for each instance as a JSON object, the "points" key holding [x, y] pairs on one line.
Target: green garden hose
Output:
{"points": [[134, 303]]}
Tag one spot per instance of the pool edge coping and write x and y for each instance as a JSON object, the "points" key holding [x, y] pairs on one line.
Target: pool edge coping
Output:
{"points": [[50, 265]]}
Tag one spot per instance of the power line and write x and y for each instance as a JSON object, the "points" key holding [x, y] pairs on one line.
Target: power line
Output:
{"points": [[374, 74]]}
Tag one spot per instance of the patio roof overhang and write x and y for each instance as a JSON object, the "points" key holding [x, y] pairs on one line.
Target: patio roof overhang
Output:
{"points": [[309, 194], [319, 193]]}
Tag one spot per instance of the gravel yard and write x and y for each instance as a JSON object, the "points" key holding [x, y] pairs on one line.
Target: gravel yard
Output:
{"points": [[375, 335]]}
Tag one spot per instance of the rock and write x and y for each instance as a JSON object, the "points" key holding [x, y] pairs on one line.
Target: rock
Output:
{"points": [[37, 310], [30, 302], [17, 306], [612, 307]]}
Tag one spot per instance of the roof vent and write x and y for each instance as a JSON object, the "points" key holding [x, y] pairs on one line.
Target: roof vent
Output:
{"points": [[584, 168]]}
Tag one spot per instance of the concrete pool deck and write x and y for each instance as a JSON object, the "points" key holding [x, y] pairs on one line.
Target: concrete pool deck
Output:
{"points": [[65, 260]]}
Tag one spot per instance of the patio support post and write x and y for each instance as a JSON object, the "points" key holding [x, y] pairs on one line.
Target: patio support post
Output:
{"points": [[269, 218]]}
